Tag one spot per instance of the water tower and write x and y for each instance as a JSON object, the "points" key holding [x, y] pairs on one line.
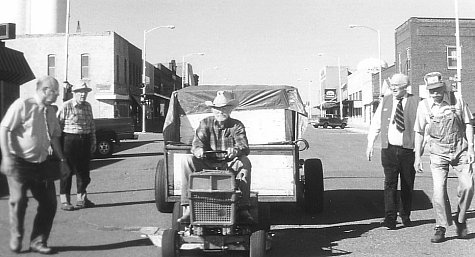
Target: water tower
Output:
{"points": [[35, 16]]}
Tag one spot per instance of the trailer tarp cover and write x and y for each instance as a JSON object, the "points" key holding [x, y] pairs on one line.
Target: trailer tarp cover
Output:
{"points": [[191, 100]]}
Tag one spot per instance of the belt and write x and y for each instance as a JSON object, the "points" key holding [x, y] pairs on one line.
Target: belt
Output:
{"points": [[396, 146], [83, 136]]}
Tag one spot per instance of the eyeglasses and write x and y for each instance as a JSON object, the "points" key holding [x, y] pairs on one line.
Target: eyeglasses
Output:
{"points": [[397, 86]]}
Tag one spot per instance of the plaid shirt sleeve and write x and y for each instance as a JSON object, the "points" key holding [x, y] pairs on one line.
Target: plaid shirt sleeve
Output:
{"points": [[209, 136]]}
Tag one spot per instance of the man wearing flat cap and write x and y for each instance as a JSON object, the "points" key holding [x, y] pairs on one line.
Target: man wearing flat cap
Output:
{"points": [[446, 119], [220, 132], [79, 142], [394, 120]]}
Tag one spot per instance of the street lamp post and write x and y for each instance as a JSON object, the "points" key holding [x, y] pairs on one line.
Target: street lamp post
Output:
{"points": [[459, 50], [185, 68], [339, 83], [379, 52], [144, 68]]}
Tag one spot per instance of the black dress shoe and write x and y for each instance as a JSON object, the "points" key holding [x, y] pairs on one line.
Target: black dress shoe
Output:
{"points": [[390, 224], [406, 222], [41, 248]]}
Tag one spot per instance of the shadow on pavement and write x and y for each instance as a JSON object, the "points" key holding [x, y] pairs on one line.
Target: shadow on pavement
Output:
{"points": [[123, 203], [136, 155], [130, 144], [125, 244], [342, 206], [99, 163]]}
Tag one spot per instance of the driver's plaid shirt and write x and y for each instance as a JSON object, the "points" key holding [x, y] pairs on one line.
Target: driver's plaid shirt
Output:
{"points": [[211, 136]]}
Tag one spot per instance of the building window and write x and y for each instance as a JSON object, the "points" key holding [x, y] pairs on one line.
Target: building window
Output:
{"points": [[84, 66], [451, 57], [399, 62], [52, 65], [117, 66], [408, 60], [125, 72]]}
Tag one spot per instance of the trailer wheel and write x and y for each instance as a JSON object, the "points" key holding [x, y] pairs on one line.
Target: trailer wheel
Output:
{"points": [[313, 187], [325, 125], [257, 244], [343, 125], [169, 243], [161, 186], [177, 213]]}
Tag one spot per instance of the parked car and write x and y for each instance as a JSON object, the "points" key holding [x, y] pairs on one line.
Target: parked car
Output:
{"points": [[110, 131], [329, 121]]}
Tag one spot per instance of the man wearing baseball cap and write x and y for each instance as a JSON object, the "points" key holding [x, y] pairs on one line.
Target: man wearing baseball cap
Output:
{"points": [[447, 121], [220, 132], [79, 142]]}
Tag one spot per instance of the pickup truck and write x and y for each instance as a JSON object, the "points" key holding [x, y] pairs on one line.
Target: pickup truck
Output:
{"points": [[329, 121], [110, 131]]}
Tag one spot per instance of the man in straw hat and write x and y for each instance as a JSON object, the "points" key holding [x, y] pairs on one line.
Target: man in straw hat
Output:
{"points": [[79, 142], [394, 120], [220, 132], [447, 120]]}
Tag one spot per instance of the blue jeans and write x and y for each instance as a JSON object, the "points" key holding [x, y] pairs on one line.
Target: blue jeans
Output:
{"points": [[439, 165], [398, 162], [43, 191]]}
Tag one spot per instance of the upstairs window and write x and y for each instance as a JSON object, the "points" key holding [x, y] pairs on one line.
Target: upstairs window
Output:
{"points": [[451, 57], [84, 66], [408, 60], [52, 65]]}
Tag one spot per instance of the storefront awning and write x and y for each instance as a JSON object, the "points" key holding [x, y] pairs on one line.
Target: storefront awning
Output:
{"points": [[14, 67]]}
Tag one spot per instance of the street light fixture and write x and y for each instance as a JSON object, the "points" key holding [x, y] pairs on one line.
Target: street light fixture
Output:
{"points": [[144, 82], [379, 52], [185, 68], [339, 82]]}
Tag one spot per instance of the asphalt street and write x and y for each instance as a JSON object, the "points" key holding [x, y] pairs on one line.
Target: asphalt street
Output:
{"points": [[122, 187]]}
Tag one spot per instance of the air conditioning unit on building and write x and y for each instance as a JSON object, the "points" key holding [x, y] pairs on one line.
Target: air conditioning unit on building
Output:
{"points": [[7, 31]]}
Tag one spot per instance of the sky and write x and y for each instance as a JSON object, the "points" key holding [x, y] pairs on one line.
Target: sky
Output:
{"points": [[272, 42]]}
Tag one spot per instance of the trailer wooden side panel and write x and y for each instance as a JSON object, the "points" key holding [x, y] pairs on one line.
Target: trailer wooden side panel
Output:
{"points": [[273, 171], [265, 126]]}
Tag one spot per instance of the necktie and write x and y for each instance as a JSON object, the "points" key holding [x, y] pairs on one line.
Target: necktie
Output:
{"points": [[399, 117]]}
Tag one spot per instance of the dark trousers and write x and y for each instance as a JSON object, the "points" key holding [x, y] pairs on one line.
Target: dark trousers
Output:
{"points": [[77, 150], [43, 191], [398, 162]]}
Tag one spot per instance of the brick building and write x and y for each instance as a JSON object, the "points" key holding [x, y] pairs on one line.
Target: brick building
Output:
{"points": [[110, 64], [428, 44]]}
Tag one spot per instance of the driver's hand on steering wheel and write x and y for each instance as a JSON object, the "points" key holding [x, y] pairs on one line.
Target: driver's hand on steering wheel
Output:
{"points": [[199, 153], [232, 153]]}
